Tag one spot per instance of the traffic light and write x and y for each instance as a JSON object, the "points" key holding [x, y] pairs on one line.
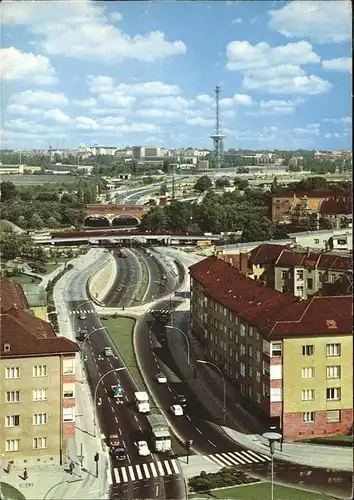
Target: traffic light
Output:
{"points": [[97, 457], [188, 444]]}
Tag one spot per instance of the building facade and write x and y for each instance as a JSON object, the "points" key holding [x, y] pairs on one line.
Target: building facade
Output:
{"points": [[37, 384], [254, 334]]}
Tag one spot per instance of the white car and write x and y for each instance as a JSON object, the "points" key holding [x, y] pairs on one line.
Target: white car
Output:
{"points": [[143, 449], [82, 315], [161, 378], [177, 410]]}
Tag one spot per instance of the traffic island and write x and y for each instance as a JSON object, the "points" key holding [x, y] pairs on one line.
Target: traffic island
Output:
{"points": [[144, 284], [9, 492]]}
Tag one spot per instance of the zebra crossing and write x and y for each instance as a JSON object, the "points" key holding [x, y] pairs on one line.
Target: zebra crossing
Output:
{"points": [[82, 311], [239, 458], [162, 312], [148, 470]]}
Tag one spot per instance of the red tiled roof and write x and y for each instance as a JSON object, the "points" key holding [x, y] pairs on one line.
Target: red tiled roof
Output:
{"points": [[289, 258], [323, 193], [265, 253], [336, 206], [261, 306], [11, 295], [26, 334]]}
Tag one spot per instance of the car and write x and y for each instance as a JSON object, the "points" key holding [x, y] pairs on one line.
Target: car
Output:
{"points": [[164, 277], [177, 410], [108, 351], [82, 316], [118, 452], [143, 449], [181, 400], [161, 378]]}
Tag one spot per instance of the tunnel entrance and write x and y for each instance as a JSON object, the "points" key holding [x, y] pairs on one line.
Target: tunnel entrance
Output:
{"points": [[125, 221], [96, 221]]}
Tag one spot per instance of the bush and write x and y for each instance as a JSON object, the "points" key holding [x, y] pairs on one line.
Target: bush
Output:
{"points": [[228, 476]]}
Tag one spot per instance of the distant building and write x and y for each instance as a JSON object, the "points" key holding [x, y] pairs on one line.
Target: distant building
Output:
{"points": [[289, 359], [148, 152], [37, 384]]}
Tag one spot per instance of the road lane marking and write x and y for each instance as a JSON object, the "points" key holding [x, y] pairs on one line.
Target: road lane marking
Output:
{"points": [[138, 471], [131, 472], [174, 465], [124, 474], [200, 432], [136, 418], [146, 470], [211, 443], [236, 456], [169, 388], [105, 390], [159, 466], [226, 461], [153, 468], [109, 477], [167, 466], [260, 457], [157, 490], [116, 475], [189, 418], [119, 430], [112, 408]]}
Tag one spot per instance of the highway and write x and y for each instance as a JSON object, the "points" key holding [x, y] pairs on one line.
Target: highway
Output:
{"points": [[137, 477]]}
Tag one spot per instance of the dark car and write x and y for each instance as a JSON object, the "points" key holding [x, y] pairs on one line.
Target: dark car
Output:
{"points": [[181, 400], [118, 453]]}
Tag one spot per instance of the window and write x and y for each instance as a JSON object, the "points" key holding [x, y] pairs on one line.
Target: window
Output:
{"points": [[242, 349], [333, 350], [276, 394], [250, 331], [231, 352], [309, 283], [12, 396], [39, 443], [300, 275], [307, 372], [68, 414], [258, 355], [258, 397], [243, 369], [250, 391], [284, 275], [230, 332], [12, 421], [68, 390], [257, 336], [276, 349], [12, 372], [250, 370], [258, 376], [242, 330], [333, 394], [40, 371], [333, 416], [266, 369], [308, 350], [40, 419], [266, 391], [333, 371], [40, 395], [250, 351], [308, 395], [12, 445], [308, 417]]}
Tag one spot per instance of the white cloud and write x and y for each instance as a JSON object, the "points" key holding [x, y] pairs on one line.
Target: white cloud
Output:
{"points": [[85, 103], [81, 30], [100, 83], [85, 123], [158, 113], [139, 128], [17, 65], [118, 99], [310, 129], [304, 85], [21, 109], [277, 107], [56, 115], [205, 99], [149, 88], [115, 16], [345, 120], [202, 122], [237, 21], [22, 125], [40, 98], [338, 64], [170, 102], [243, 99], [242, 55], [323, 22]]}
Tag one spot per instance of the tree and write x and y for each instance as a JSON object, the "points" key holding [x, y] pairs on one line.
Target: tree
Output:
{"points": [[8, 191], [163, 189], [53, 223], [22, 222], [36, 221], [154, 220], [312, 183], [166, 166], [203, 184], [241, 184], [222, 182], [258, 229]]}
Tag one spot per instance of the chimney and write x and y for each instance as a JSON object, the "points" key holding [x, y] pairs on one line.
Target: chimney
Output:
{"points": [[307, 251], [243, 262]]}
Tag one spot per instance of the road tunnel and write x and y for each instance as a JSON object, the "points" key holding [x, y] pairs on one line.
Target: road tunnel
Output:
{"points": [[96, 221]]}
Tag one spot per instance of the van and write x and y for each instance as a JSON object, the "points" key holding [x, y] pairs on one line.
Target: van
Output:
{"points": [[108, 351]]}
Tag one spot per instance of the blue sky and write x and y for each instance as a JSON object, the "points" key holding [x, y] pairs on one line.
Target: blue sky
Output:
{"points": [[131, 73]]}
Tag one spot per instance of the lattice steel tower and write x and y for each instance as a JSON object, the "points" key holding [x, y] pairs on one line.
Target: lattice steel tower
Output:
{"points": [[218, 139]]}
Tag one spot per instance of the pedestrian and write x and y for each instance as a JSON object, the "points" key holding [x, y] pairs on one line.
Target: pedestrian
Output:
{"points": [[25, 475], [71, 467]]}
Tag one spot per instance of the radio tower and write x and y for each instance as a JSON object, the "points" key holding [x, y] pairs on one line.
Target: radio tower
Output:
{"points": [[218, 139]]}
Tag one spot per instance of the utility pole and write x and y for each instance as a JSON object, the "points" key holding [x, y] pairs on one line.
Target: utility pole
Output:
{"points": [[173, 181]]}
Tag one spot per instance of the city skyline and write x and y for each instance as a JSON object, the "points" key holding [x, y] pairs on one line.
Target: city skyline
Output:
{"points": [[144, 73]]}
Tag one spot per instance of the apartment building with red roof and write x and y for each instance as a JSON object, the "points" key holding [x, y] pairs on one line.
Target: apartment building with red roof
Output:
{"points": [[37, 384], [289, 358]]}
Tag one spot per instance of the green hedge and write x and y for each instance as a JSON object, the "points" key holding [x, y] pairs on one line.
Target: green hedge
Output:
{"points": [[50, 299], [225, 477]]}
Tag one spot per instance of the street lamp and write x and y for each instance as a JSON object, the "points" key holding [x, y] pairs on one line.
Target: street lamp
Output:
{"points": [[187, 341], [83, 349], [95, 395], [223, 382], [272, 437]]}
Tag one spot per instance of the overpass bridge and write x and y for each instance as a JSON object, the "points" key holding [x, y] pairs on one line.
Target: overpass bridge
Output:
{"points": [[111, 215], [124, 238]]}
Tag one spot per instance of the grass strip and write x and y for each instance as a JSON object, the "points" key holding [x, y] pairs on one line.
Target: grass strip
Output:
{"points": [[144, 280], [26, 279], [260, 491]]}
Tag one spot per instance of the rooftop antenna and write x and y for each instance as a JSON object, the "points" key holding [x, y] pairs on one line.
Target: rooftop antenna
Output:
{"points": [[218, 139]]}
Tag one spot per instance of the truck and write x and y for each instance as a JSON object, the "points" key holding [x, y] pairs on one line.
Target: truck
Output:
{"points": [[160, 433], [142, 402]]}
